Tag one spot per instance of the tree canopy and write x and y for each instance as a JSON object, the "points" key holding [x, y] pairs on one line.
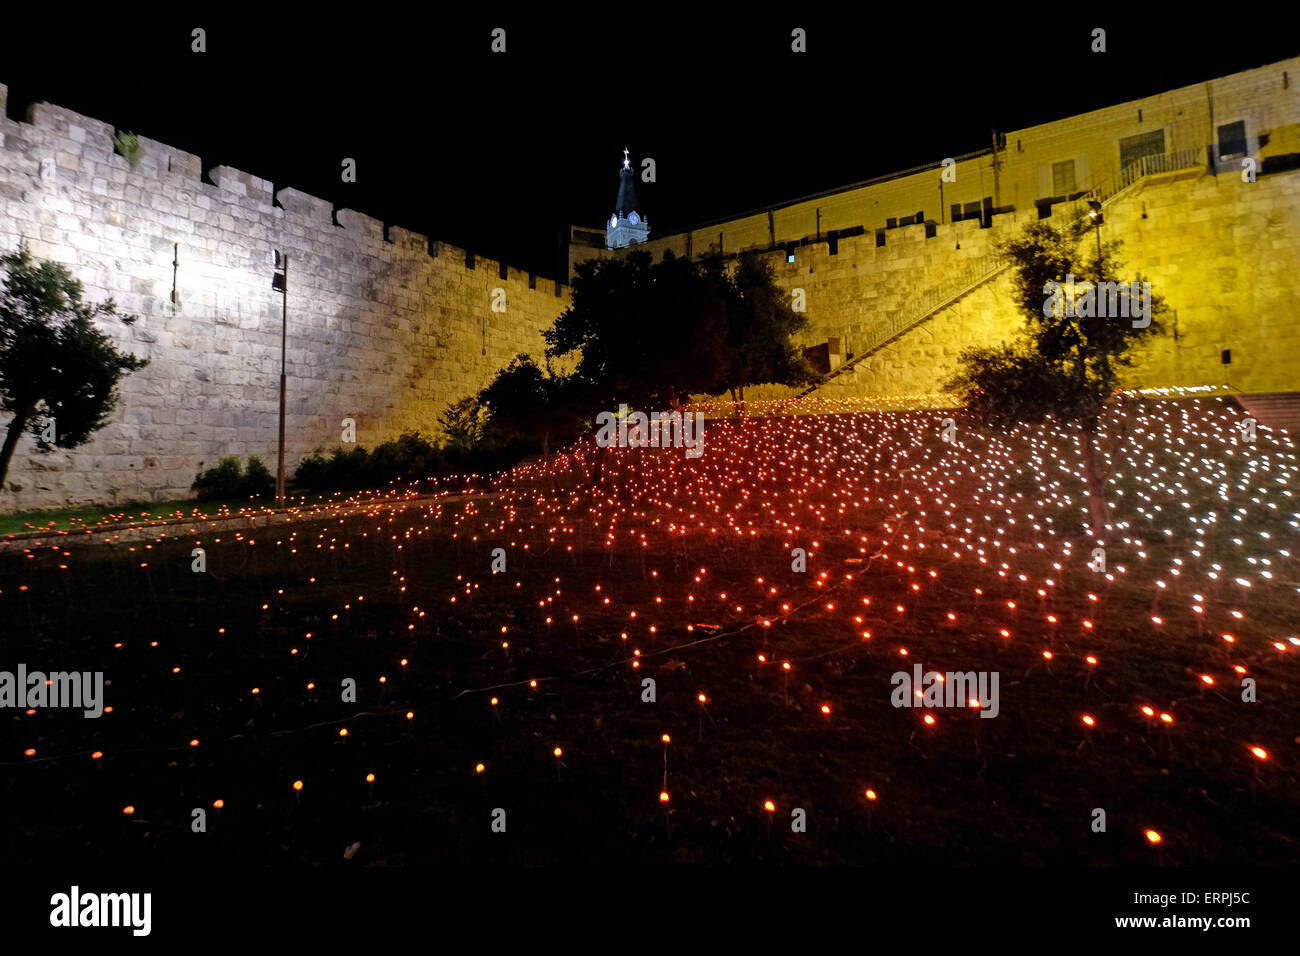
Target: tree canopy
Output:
{"points": [[56, 367], [1082, 328]]}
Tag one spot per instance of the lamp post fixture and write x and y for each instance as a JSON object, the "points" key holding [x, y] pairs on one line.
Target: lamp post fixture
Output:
{"points": [[280, 283], [1094, 213]]}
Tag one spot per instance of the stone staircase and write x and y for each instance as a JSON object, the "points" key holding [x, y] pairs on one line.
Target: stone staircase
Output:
{"points": [[1274, 409], [1109, 189]]}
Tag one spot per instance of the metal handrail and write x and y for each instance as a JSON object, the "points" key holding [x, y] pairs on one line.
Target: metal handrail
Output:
{"points": [[988, 267]]}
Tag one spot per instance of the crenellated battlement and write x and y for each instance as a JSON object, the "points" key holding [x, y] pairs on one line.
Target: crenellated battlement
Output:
{"points": [[384, 325]]}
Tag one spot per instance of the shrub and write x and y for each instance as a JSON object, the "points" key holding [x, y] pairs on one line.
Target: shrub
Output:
{"points": [[128, 145], [229, 480]]}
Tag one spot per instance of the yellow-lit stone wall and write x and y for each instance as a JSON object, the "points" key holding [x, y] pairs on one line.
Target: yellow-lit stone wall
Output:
{"points": [[1224, 253]]}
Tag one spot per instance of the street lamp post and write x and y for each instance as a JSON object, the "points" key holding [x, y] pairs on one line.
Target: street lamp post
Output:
{"points": [[280, 282], [1094, 212]]}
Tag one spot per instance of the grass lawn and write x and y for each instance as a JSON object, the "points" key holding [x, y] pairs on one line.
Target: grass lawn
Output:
{"points": [[228, 685], [140, 514]]}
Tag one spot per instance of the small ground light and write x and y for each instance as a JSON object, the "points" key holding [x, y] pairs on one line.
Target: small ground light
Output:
{"points": [[663, 796], [1087, 719], [479, 768], [1259, 752], [297, 785], [218, 804], [1153, 837], [769, 806], [128, 810]]}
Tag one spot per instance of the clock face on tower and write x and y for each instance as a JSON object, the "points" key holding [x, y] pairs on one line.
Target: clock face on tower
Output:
{"points": [[633, 218], [613, 221]]}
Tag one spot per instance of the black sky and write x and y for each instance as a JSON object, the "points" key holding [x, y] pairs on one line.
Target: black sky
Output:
{"points": [[501, 153]]}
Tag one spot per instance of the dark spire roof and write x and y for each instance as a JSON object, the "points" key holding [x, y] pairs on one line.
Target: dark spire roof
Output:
{"points": [[626, 190]]}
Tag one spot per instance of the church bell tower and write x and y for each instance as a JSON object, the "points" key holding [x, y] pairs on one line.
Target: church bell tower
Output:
{"points": [[626, 227]]}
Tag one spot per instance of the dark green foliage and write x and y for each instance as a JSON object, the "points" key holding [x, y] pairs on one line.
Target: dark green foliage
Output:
{"points": [[462, 423], [410, 458], [525, 404], [54, 362], [1062, 365], [652, 334], [128, 145], [228, 480]]}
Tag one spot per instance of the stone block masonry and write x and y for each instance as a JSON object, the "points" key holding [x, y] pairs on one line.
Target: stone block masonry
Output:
{"points": [[384, 329], [1221, 252]]}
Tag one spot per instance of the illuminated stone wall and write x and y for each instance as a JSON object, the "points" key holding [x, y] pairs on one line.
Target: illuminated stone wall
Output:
{"points": [[383, 329], [1222, 252]]}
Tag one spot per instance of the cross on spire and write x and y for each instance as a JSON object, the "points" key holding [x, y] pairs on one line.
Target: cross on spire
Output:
{"points": [[626, 164]]}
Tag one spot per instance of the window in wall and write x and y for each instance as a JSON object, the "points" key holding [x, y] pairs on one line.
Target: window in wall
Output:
{"points": [[1063, 178], [1134, 148], [1232, 140]]}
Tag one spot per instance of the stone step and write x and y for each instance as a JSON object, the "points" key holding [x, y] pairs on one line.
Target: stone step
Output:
{"points": [[1274, 409]]}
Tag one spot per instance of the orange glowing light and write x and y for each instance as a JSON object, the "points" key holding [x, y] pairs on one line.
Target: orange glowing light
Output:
{"points": [[1154, 837], [1087, 719], [128, 810], [769, 806], [297, 785], [663, 796], [929, 720], [871, 795], [1259, 752]]}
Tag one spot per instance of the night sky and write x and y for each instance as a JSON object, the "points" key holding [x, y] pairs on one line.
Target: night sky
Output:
{"points": [[500, 154]]}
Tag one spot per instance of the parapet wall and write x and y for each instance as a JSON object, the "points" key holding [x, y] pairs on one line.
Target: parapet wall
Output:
{"points": [[382, 329]]}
